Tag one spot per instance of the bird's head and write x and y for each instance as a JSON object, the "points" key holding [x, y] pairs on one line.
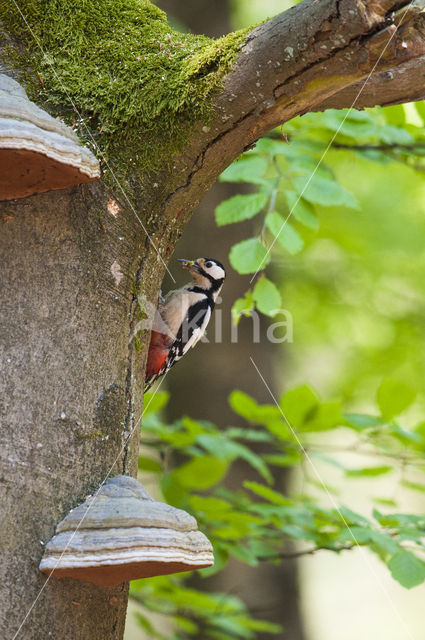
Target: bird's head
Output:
{"points": [[207, 273]]}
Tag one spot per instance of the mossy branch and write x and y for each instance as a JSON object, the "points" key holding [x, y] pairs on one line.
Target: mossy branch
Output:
{"points": [[154, 99], [119, 72]]}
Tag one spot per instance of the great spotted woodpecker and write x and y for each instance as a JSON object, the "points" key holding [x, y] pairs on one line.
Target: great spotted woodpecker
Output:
{"points": [[183, 316]]}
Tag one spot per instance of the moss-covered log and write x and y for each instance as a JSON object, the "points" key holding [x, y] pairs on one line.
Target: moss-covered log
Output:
{"points": [[165, 113]]}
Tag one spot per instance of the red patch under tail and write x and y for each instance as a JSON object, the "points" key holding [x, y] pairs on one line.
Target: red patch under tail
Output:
{"points": [[158, 353]]}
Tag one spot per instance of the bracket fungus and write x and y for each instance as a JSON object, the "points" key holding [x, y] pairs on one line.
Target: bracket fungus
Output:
{"points": [[120, 533], [37, 152]]}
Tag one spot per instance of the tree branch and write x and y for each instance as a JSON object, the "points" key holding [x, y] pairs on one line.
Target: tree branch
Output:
{"points": [[317, 55], [404, 83]]}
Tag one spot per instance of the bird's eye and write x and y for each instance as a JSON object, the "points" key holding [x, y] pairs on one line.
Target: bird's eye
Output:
{"points": [[208, 264]]}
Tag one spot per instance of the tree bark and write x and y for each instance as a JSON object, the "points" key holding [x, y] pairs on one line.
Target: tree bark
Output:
{"points": [[71, 272], [69, 398]]}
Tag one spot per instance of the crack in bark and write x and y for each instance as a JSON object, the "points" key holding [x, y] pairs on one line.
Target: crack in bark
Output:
{"points": [[128, 425], [129, 419], [359, 38], [197, 165]]}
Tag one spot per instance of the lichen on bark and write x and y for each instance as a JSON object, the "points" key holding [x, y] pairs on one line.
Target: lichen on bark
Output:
{"points": [[117, 72]]}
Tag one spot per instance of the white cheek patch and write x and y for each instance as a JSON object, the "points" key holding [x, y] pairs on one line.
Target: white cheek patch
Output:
{"points": [[215, 272]]}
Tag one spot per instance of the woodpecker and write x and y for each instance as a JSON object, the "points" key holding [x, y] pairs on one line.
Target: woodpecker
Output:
{"points": [[183, 316]]}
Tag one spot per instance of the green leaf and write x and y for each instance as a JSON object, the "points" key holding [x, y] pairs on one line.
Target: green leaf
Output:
{"points": [[267, 297], [353, 518], [201, 472], [414, 486], [249, 256], [173, 492], [399, 519], [298, 403], [420, 108], [186, 625], [242, 433], [232, 626], [218, 445], [236, 526], [149, 464], [384, 542], [323, 191], [154, 402], [246, 169], [344, 122], [284, 460], [243, 404], [394, 396], [361, 421], [225, 449], [326, 416], [394, 135], [369, 471], [271, 147], [407, 569], [284, 233], [265, 492], [420, 430], [256, 463], [395, 115], [266, 415], [365, 535], [194, 427], [242, 307], [244, 554], [405, 436], [301, 210], [358, 535], [178, 440], [240, 207], [263, 626], [209, 505], [386, 502]]}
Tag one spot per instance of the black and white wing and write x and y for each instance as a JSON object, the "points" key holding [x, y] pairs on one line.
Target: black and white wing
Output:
{"points": [[190, 332]]}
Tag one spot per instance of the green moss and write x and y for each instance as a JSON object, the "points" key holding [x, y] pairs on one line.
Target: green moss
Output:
{"points": [[91, 435], [139, 344], [137, 84]]}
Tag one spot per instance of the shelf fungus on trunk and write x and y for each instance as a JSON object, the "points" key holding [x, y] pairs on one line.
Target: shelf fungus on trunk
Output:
{"points": [[120, 533], [37, 152]]}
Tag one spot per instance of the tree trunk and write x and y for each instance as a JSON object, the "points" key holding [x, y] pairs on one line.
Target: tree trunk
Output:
{"points": [[68, 396], [72, 270]]}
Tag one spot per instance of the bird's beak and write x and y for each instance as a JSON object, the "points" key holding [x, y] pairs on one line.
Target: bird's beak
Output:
{"points": [[190, 265]]}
